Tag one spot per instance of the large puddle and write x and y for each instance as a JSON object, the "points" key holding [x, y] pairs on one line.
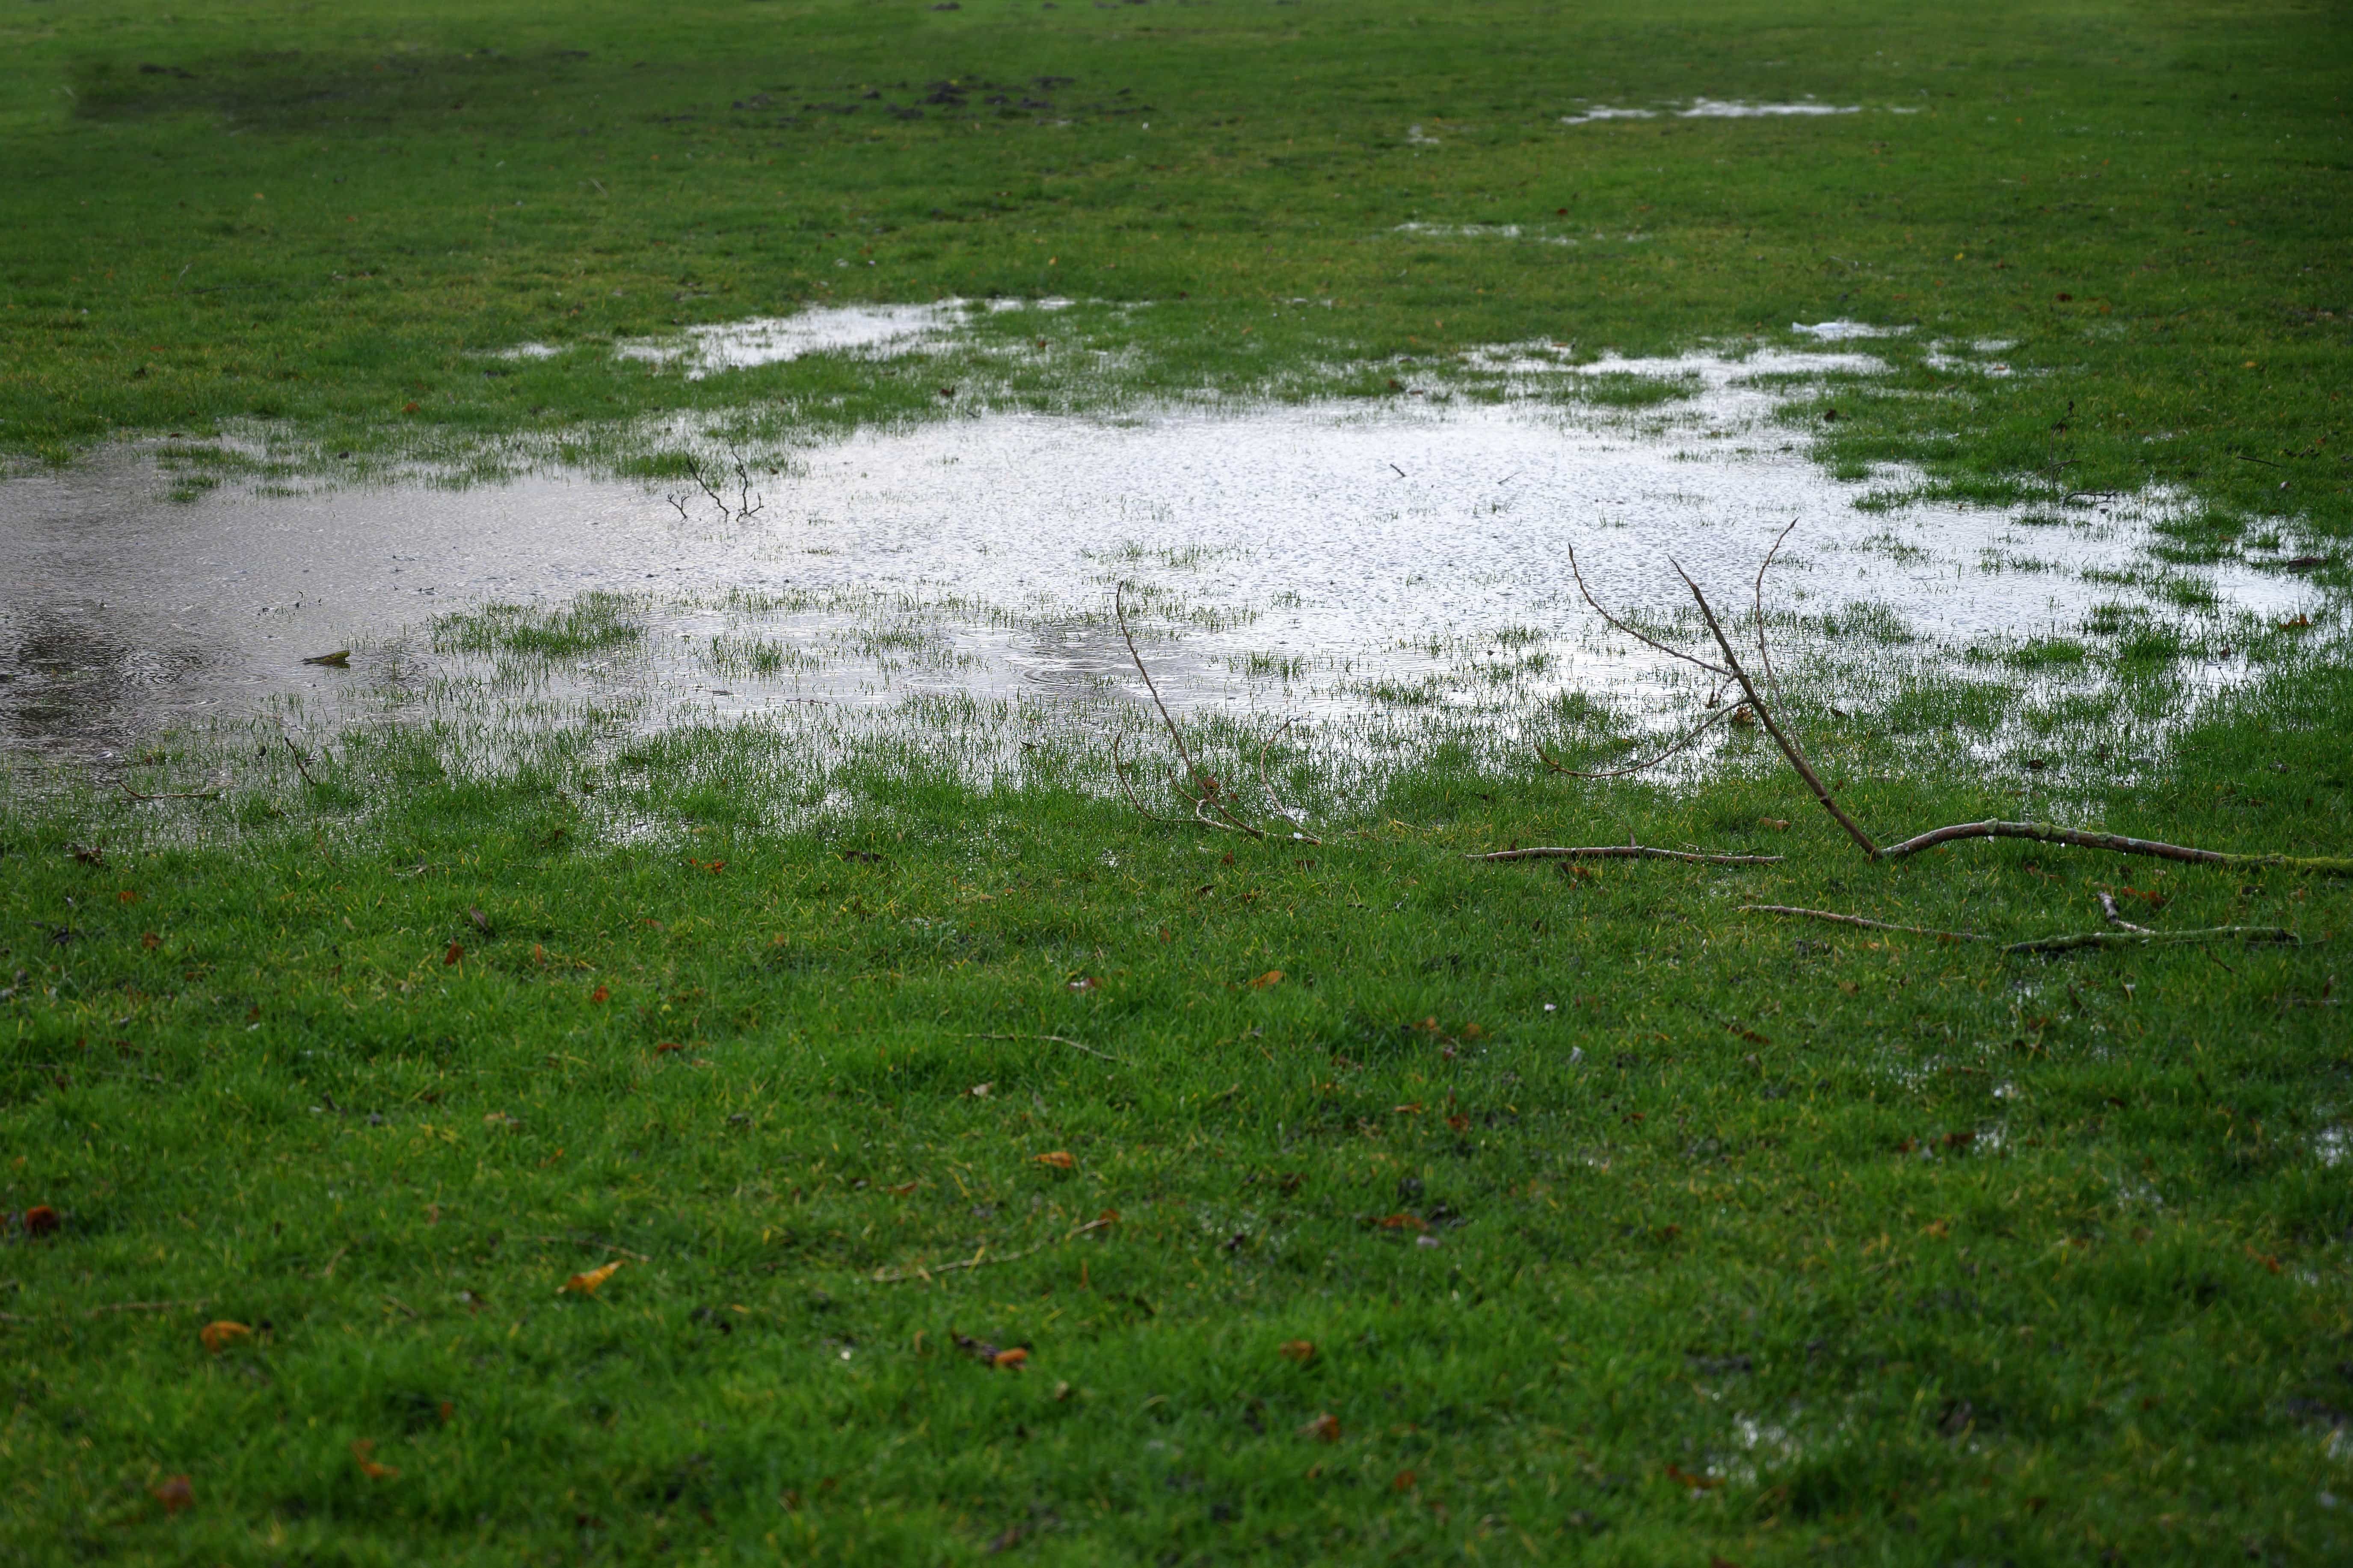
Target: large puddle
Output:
{"points": [[1363, 566]]}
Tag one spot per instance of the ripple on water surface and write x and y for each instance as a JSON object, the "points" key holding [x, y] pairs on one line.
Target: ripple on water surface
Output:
{"points": [[1332, 560]]}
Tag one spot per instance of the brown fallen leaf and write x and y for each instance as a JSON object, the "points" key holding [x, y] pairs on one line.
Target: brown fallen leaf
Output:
{"points": [[1325, 1429], [904, 1189], [175, 1494], [666, 1047], [1271, 977], [1060, 1160], [599, 995], [1684, 1477], [1011, 1360], [1778, 823], [363, 1447], [1403, 1222], [1301, 1351], [42, 1220], [452, 954], [591, 1282], [1403, 1483], [217, 1337], [482, 921]]}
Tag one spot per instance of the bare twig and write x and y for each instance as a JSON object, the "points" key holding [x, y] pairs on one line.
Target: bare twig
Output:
{"points": [[2156, 938], [1859, 920], [170, 794], [300, 765], [1625, 852], [1578, 574], [1120, 768], [717, 498], [585, 1239], [1119, 614], [1764, 652], [1298, 823], [982, 1258], [1714, 718], [1058, 1040], [1204, 792], [1764, 716], [2108, 908], [2045, 832]]}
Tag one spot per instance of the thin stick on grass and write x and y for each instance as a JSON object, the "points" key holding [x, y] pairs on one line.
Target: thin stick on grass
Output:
{"points": [[2248, 935], [2115, 917], [170, 794], [982, 1258], [1625, 852], [2047, 832], [1058, 1040], [1204, 794], [1836, 919]]}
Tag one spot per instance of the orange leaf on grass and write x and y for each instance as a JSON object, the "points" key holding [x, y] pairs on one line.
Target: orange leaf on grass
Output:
{"points": [[175, 1494], [1271, 977], [1060, 1159], [1403, 1222], [454, 953], [667, 1046], [217, 1337], [360, 1448], [599, 995], [1009, 1361], [1325, 1429], [1300, 1351], [904, 1189], [591, 1282], [42, 1220], [1684, 1477]]}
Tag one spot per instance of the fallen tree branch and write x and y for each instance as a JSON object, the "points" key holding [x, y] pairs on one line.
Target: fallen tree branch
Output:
{"points": [[1120, 768], [1625, 852], [2140, 938], [1764, 652], [1836, 918], [1205, 794], [981, 1258], [2046, 833], [2115, 918], [1764, 717]]}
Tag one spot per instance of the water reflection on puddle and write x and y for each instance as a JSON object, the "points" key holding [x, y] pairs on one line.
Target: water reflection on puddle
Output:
{"points": [[1354, 564]]}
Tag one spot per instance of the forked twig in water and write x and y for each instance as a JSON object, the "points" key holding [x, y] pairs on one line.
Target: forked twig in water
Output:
{"points": [[2038, 832], [1202, 789]]}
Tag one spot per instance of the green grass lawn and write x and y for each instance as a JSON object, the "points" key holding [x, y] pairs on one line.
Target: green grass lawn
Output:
{"points": [[1624, 1227], [1349, 1201]]}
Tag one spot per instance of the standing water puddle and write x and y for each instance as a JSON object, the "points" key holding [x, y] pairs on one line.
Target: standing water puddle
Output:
{"points": [[1345, 563]]}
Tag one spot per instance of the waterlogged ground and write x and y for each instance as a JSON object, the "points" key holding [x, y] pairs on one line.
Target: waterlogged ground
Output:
{"points": [[1384, 569]]}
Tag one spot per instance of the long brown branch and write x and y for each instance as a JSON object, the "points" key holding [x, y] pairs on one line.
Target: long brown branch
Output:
{"points": [[1120, 768], [2046, 833], [982, 1258], [1625, 852], [2156, 938], [1764, 716], [1859, 920]]}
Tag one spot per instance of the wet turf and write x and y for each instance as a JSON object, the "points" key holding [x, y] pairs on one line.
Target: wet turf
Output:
{"points": [[1461, 1208]]}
